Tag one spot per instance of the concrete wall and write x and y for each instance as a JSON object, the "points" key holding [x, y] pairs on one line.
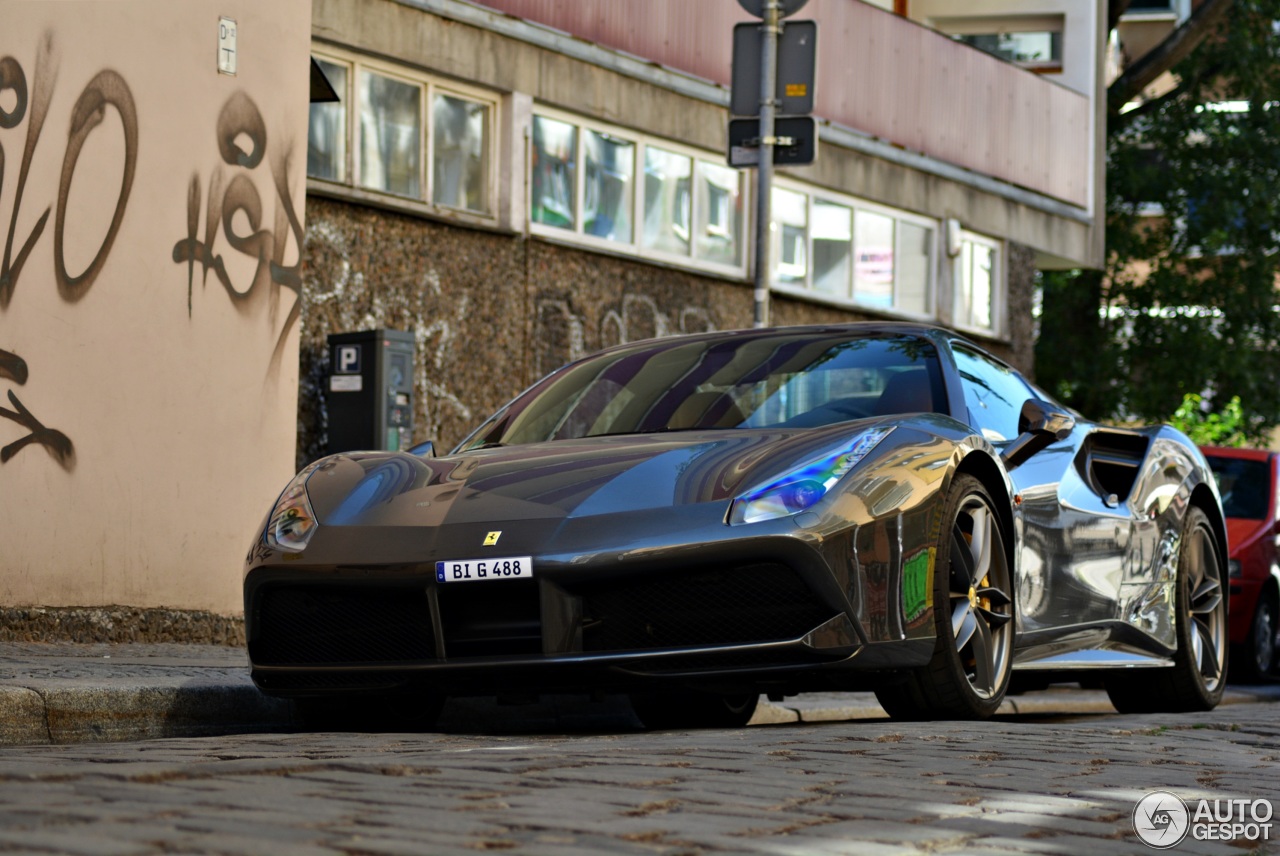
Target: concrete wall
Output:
{"points": [[1080, 37], [151, 211], [881, 75]]}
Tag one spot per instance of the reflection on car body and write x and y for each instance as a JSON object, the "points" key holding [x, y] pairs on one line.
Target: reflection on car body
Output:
{"points": [[711, 517]]}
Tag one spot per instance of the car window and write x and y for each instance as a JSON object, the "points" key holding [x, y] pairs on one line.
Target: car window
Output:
{"points": [[1244, 486], [772, 379], [993, 393]]}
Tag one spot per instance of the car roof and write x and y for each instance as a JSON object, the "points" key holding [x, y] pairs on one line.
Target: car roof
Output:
{"points": [[939, 335]]}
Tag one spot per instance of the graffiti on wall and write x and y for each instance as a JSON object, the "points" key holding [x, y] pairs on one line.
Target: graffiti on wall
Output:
{"points": [[29, 100], [242, 146], [232, 201], [562, 334], [342, 297]]}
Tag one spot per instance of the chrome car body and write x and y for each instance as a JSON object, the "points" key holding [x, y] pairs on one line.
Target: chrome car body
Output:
{"points": [[863, 506]]}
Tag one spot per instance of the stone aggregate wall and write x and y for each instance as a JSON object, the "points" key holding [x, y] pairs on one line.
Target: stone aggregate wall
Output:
{"points": [[492, 312], [460, 291], [1021, 262], [117, 624]]}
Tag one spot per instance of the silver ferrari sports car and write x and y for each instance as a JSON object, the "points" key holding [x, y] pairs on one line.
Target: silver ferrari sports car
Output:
{"points": [[699, 520]]}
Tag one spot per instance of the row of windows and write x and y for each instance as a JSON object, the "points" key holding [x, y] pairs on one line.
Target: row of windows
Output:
{"points": [[401, 125], [843, 250], [413, 137], [647, 197]]}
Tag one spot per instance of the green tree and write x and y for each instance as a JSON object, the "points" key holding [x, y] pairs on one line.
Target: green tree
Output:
{"points": [[1187, 302], [1227, 428]]}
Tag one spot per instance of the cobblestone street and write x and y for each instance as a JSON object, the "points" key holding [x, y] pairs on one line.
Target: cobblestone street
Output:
{"points": [[1016, 785]]}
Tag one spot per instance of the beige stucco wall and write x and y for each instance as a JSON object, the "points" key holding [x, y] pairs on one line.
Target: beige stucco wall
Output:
{"points": [[162, 400]]}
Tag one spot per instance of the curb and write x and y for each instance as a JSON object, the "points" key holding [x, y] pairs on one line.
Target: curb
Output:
{"points": [[109, 713], [1043, 703], [53, 712]]}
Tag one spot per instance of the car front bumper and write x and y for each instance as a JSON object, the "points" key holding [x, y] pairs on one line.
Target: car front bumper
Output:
{"points": [[702, 606]]}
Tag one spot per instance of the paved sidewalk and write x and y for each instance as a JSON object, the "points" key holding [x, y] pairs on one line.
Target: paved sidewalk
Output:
{"points": [[74, 693]]}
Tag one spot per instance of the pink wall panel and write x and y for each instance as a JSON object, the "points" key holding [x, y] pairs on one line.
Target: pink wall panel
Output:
{"points": [[877, 73]]}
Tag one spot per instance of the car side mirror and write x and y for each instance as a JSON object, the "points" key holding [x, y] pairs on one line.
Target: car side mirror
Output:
{"points": [[424, 450], [1040, 426]]}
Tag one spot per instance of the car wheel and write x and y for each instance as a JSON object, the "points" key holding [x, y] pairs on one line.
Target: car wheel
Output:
{"points": [[973, 617], [1198, 675], [693, 709], [1256, 658]]}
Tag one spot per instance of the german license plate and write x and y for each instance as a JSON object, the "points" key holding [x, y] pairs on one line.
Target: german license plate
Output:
{"points": [[468, 570]]}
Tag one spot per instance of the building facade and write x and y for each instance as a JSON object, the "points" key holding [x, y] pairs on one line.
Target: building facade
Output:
{"points": [[524, 181], [516, 183]]}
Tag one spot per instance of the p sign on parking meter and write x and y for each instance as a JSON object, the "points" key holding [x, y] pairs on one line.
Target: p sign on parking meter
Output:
{"points": [[348, 359]]}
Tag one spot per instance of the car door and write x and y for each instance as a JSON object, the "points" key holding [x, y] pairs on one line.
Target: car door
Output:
{"points": [[1072, 543]]}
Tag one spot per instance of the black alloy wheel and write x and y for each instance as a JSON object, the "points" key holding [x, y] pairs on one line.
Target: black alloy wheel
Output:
{"points": [[968, 674], [1198, 675]]}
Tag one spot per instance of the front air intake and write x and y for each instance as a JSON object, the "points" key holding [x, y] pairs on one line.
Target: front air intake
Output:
{"points": [[319, 625], [763, 602]]}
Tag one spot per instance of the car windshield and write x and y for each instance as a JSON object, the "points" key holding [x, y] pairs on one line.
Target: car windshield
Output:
{"points": [[1243, 484], [734, 381]]}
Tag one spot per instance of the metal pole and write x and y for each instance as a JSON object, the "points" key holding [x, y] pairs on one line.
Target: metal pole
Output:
{"points": [[764, 182]]}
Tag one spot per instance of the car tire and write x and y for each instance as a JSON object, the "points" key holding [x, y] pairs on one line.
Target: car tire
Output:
{"points": [[1199, 672], [692, 709], [968, 674], [1254, 660]]}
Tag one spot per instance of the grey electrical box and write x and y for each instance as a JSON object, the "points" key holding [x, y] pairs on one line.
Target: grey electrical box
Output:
{"points": [[370, 396]]}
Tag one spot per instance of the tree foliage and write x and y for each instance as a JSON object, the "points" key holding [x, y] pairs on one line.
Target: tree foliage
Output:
{"points": [[1227, 428], [1188, 301]]}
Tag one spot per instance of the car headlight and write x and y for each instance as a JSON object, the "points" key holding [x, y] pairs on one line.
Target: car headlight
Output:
{"points": [[292, 522], [804, 486], [1233, 568]]}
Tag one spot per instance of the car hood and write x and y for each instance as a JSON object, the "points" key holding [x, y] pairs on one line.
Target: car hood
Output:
{"points": [[560, 479]]}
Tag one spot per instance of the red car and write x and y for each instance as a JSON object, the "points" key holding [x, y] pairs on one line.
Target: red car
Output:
{"points": [[1247, 480]]}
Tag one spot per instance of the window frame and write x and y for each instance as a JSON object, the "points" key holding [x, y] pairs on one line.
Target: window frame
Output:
{"points": [[1052, 23], [999, 287], [988, 361], [428, 87], [491, 167], [345, 100], [1175, 10], [806, 291], [357, 137], [635, 247]]}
